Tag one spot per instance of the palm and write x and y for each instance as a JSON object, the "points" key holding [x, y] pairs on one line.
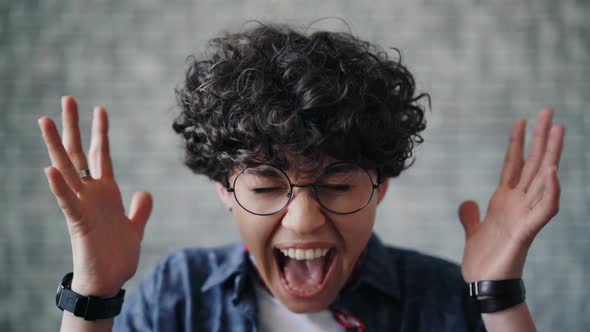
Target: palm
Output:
{"points": [[526, 199], [103, 221], [105, 242], [508, 205]]}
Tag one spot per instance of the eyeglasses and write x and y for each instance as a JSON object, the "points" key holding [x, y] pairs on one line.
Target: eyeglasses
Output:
{"points": [[342, 188]]}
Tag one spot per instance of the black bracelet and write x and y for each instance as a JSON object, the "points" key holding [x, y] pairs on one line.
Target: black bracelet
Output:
{"points": [[88, 307], [497, 295], [491, 304]]}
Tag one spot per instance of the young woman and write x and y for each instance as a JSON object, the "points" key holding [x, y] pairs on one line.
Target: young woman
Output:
{"points": [[302, 134]]}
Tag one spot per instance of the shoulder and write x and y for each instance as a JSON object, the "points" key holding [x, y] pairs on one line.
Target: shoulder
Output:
{"points": [[197, 262], [414, 273], [428, 275], [173, 289], [428, 292], [434, 292], [191, 267], [433, 286], [196, 270]]}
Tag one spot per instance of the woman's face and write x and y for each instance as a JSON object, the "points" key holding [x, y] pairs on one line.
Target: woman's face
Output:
{"points": [[305, 254]]}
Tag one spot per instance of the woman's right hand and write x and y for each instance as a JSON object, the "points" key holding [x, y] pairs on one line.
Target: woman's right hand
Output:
{"points": [[105, 241]]}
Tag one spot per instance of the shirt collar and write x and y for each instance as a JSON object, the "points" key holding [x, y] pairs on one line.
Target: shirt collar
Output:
{"points": [[234, 264], [378, 270]]}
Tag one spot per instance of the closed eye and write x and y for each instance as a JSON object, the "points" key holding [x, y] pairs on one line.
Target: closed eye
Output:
{"points": [[335, 187], [268, 190]]}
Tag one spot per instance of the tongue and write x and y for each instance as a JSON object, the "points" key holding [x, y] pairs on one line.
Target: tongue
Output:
{"points": [[304, 274]]}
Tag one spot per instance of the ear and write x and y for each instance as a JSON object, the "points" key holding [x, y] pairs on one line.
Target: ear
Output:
{"points": [[382, 190], [225, 196]]}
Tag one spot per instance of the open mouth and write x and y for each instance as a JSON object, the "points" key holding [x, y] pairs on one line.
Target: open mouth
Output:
{"points": [[304, 273]]}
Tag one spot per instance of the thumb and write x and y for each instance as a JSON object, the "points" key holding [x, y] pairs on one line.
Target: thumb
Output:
{"points": [[469, 217], [140, 210]]}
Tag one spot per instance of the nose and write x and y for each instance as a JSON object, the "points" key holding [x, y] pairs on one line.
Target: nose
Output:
{"points": [[304, 214]]}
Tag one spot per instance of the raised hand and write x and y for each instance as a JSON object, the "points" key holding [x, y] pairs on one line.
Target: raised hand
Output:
{"points": [[526, 199], [105, 242]]}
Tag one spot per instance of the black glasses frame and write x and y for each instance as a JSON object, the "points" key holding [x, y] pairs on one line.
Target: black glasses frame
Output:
{"points": [[312, 185]]}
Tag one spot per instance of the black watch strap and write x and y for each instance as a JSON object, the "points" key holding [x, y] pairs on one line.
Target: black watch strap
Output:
{"points": [[496, 288], [88, 307], [497, 295], [491, 304]]}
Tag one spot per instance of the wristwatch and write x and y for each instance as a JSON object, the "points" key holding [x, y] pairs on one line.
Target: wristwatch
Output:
{"points": [[497, 295], [88, 307]]}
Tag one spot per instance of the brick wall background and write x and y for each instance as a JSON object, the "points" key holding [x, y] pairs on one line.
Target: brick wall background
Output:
{"points": [[484, 63]]}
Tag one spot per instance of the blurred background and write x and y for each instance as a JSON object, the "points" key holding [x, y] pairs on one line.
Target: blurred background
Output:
{"points": [[484, 64]]}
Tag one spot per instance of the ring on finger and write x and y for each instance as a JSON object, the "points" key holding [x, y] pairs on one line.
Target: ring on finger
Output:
{"points": [[85, 173]]}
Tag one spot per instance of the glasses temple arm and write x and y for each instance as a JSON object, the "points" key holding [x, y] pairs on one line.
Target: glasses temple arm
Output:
{"points": [[379, 179], [227, 186]]}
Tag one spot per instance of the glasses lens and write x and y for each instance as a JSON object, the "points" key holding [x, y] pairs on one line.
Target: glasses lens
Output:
{"points": [[344, 188], [262, 189]]}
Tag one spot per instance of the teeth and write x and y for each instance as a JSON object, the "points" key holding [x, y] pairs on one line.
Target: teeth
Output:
{"points": [[319, 252], [301, 254]]}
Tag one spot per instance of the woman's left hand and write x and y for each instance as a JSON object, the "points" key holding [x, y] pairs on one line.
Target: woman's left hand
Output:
{"points": [[526, 199]]}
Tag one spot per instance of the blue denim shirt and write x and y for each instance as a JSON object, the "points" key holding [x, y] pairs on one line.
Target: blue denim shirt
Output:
{"points": [[213, 290]]}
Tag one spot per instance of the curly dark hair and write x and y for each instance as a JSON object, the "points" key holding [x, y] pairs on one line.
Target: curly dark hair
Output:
{"points": [[275, 95]]}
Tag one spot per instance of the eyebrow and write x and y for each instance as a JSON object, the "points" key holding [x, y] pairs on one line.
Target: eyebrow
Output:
{"points": [[266, 172], [341, 168], [270, 172]]}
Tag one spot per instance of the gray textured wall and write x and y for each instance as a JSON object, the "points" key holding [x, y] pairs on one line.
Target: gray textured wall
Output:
{"points": [[485, 63]]}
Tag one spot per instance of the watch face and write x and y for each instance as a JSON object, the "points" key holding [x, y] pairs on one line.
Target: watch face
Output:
{"points": [[88, 307], [59, 290], [65, 282]]}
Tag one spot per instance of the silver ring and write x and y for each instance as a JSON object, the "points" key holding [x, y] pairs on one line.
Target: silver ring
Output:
{"points": [[85, 173]]}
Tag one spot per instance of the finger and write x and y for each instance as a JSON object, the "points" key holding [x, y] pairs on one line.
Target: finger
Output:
{"points": [[66, 198], [554, 147], [71, 133], [513, 159], [548, 205], [551, 159], [140, 210], [57, 153], [469, 217], [537, 149], [535, 192], [100, 157]]}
